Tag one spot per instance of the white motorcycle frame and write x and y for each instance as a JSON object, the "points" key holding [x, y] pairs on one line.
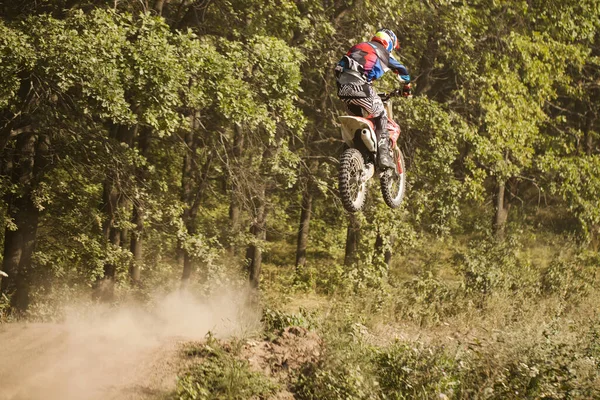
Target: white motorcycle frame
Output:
{"points": [[350, 124]]}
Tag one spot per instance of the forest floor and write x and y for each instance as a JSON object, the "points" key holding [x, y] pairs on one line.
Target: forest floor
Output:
{"points": [[427, 331], [69, 361]]}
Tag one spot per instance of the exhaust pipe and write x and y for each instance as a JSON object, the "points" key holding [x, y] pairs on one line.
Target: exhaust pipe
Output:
{"points": [[368, 139]]}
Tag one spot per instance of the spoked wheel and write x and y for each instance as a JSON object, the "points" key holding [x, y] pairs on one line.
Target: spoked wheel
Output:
{"points": [[352, 189], [393, 183]]}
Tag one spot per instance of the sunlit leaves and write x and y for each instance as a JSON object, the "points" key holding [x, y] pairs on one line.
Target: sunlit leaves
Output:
{"points": [[577, 180], [16, 55]]}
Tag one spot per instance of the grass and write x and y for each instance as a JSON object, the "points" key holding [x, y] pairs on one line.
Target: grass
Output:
{"points": [[468, 320], [216, 373], [459, 319]]}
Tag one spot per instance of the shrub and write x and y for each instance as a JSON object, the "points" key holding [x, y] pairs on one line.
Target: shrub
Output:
{"points": [[276, 321], [324, 382], [489, 266], [570, 279], [427, 300], [322, 276], [220, 375], [550, 370], [407, 371]]}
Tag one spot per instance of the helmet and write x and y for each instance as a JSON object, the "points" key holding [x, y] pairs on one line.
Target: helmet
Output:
{"points": [[387, 38]]}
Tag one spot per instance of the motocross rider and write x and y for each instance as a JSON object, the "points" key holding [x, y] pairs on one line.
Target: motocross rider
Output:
{"points": [[355, 73]]}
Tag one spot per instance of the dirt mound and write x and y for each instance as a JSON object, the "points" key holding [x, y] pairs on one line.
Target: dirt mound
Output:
{"points": [[285, 354]]}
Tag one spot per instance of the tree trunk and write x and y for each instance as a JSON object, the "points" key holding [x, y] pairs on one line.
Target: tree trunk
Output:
{"points": [[595, 237], [352, 240], [187, 181], [137, 244], [112, 200], [588, 133], [18, 249], [234, 205], [19, 245], [187, 266], [158, 6], [137, 236], [427, 64], [6, 169], [124, 233], [194, 181], [234, 220], [387, 256], [259, 231], [11, 254], [27, 220], [502, 208], [192, 215], [110, 196], [305, 215]]}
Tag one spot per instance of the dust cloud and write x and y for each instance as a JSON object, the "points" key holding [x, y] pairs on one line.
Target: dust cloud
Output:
{"points": [[126, 352]]}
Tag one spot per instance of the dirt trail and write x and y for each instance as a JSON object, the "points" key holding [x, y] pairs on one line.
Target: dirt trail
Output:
{"points": [[124, 353]]}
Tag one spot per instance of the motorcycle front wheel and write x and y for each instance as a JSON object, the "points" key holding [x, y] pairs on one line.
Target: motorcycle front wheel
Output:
{"points": [[352, 189], [393, 184]]}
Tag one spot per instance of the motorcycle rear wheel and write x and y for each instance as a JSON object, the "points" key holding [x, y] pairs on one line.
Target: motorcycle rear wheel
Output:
{"points": [[393, 184], [352, 190]]}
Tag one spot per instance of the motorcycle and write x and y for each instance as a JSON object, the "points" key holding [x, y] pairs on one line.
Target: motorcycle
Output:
{"points": [[358, 162]]}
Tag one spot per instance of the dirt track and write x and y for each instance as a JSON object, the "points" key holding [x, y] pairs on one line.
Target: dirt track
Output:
{"points": [[114, 354], [47, 361]]}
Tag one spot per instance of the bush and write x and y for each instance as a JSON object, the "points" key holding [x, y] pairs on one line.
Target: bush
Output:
{"points": [[408, 371], [428, 300], [489, 266], [276, 321], [570, 279], [324, 277], [324, 382], [547, 370], [220, 375]]}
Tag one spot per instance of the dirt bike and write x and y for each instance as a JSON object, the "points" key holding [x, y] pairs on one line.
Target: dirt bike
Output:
{"points": [[358, 163]]}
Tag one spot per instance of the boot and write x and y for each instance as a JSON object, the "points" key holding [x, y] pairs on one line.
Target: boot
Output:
{"points": [[384, 155]]}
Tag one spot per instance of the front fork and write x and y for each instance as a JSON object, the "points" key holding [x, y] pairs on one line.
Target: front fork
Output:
{"points": [[367, 173]]}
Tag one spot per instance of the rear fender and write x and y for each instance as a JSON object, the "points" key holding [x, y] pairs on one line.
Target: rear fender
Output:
{"points": [[350, 124]]}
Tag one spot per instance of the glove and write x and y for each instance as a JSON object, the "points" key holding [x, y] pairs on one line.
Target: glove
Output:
{"points": [[400, 78], [407, 91]]}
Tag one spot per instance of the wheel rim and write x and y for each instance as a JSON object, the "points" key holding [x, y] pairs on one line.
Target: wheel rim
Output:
{"points": [[356, 184], [395, 183]]}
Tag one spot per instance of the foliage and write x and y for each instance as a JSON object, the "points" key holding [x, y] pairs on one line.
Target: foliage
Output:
{"points": [[428, 300], [276, 321], [196, 130], [489, 266], [220, 375], [343, 382], [410, 370]]}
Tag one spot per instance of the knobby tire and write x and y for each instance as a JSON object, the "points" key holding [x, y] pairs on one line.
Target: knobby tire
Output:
{"points": [[352, 193]]}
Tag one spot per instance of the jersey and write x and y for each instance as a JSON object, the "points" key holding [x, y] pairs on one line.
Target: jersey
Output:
{"points": [[370, 60]]}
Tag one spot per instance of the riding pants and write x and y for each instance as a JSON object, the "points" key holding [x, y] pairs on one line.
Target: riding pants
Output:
{"points": [[359, 97]]}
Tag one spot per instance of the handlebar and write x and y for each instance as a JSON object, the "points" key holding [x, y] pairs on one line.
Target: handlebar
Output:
{"points": [[394, 93], [405, 91]]}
